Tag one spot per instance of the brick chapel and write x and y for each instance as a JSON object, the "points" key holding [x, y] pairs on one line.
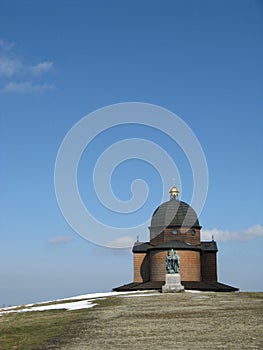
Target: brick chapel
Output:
{"points": [[175, 225]]}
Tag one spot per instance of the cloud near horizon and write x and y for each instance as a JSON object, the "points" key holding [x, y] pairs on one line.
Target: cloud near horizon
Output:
{"points": [[206, 235], [60, 240], [226, 235], [121, 242]]}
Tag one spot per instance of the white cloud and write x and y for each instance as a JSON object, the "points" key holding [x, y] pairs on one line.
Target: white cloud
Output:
{"points": [[9, 67], [225, 235], [42, 67], [60, 240], [27, 87], [121, 242], [12, 66]]}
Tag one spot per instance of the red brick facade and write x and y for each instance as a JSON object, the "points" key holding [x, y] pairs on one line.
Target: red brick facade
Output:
{"points": [[152, 266], [141, 267], [209, 266], [190, 265], [182, 235], [197, 263], [157, 265]]}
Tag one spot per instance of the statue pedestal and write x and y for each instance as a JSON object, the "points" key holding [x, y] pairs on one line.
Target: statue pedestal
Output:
{"points": [[172, 283]]}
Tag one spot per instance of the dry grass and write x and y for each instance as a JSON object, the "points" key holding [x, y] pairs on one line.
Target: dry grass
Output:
{"points": [[176, 321]]}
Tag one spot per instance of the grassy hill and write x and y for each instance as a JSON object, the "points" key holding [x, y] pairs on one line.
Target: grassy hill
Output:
{"points": [[142, 321]]}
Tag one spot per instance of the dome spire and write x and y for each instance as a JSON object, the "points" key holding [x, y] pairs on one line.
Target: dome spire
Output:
{"points": [[174, 192]]}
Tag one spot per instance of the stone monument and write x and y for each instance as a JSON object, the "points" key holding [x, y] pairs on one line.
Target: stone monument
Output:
{"points": [[172, 278]]}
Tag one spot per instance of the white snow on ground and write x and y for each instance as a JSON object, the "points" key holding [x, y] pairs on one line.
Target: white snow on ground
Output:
{"points": [[84, 301], [84, 304], [73, 304], [99, 295]]}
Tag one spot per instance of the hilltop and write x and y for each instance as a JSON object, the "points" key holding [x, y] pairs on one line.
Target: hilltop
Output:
{"points": [[137, 320]]}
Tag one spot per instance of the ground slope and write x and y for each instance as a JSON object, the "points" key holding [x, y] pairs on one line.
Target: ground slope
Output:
{"points": [[156, 321], [177, 321]]}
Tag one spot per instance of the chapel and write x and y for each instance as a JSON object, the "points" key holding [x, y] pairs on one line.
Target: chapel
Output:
{"points": [[175, 225]]}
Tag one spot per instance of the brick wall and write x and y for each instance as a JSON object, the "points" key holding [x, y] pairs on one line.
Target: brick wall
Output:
{"points": [[183, 235], [189, 270], [208, 266], [158, 265], [190, 265], [141, 267]]}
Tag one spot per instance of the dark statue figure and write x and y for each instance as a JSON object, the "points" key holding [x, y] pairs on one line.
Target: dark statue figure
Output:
{"points": [[172, 261]]}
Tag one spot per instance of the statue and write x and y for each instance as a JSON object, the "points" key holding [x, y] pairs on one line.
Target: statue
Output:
{"points": [[172, 261], [172, 278]]}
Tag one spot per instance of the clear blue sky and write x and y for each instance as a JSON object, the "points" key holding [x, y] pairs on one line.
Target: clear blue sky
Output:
{"points": [[60, 60]]}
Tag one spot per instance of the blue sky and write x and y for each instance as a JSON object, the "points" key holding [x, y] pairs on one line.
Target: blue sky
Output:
{"points": [[61, 60]]}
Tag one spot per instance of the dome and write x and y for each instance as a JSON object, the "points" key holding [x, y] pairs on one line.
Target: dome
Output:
{"points": [[174, 213]]}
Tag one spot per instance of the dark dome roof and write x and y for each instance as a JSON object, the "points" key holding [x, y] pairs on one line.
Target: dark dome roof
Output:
{"points": [[174, 213]]}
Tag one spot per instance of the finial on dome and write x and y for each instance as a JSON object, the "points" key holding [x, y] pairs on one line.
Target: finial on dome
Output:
{"points": [[174, 192]]}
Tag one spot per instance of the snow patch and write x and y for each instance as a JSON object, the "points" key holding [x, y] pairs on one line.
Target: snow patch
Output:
{"points": [[75, 303]]}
